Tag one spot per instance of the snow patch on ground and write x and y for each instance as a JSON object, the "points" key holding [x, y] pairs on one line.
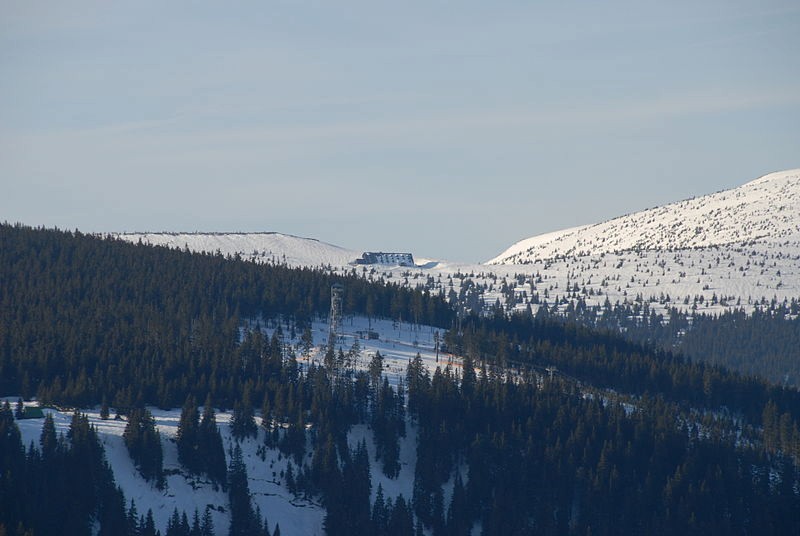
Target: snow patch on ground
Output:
{"points": [[295, 516], [398, 342]]}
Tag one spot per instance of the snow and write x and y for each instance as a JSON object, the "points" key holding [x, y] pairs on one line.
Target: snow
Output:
{"points": [[263, 247], [398, 342], [392, 487], [765, 209], [742, 245], [295, 516]]}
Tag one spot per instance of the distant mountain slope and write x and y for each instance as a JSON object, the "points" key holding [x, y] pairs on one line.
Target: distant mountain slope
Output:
{"points": [[738, 248], [766, 210], [293, 250]]}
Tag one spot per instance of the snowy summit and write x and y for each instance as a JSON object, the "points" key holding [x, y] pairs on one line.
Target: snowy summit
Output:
{"points": [[766, 210], [262, 247]]}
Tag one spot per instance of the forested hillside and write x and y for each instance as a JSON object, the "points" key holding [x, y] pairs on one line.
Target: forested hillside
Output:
{"points": [[765, 342], [544, 427], [85, 318]]}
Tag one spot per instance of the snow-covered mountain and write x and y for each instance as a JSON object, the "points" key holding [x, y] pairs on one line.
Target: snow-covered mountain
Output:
{"points": [[265, 247], [766, 210], [735, 248]]}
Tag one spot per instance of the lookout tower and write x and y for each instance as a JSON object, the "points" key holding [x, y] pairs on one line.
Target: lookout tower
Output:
{"points": [[335, 318]]}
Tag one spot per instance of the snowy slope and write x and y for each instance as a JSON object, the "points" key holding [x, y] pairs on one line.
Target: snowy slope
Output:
{"points": [[736, 248], [398, 343], [187, 493], [764, 210], [265, 247]]}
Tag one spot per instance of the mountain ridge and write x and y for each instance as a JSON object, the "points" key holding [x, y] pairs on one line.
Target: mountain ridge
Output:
{"points": [[766, 209], [759, 221], [260, 246]]}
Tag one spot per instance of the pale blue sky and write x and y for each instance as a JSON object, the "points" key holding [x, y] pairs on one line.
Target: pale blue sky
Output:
{"points": [[449, 129]]}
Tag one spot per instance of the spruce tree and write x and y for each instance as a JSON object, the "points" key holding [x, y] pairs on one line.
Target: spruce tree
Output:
{"points": [[148, 528], [133, 519], [207, 525], [210, 448], [243, 423], [48, 440], [187, 437], [196, 529], [104, 410], [379, 515], [144, 445], [243, 521]]}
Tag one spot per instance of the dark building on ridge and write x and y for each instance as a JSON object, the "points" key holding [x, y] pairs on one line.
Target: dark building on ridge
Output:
{"points": [[380, 257]]}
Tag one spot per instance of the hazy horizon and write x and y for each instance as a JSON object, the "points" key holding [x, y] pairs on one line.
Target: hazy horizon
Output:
{"points": [[451, 132]]}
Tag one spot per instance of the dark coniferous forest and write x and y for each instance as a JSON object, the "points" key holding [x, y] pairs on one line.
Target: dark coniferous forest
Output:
{"points": [[84, 318], [764, 343], [551, 428]]}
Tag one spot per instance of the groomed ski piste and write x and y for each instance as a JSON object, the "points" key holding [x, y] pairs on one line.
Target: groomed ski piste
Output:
{"points": [[398, 342]]}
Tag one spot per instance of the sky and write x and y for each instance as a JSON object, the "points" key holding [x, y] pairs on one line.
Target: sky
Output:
{"points": [[447, 129]]}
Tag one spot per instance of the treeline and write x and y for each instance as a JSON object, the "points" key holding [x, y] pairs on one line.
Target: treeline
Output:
{"points": [[524, 455], [83, 317], [521, 454], [604, 359], [764, 343], [539, 457]]}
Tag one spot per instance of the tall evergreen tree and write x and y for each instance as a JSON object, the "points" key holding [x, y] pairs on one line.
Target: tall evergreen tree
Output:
{"points": [[243, 519], [243, 423], [144, 445], [210, 446], [187, 437]]}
